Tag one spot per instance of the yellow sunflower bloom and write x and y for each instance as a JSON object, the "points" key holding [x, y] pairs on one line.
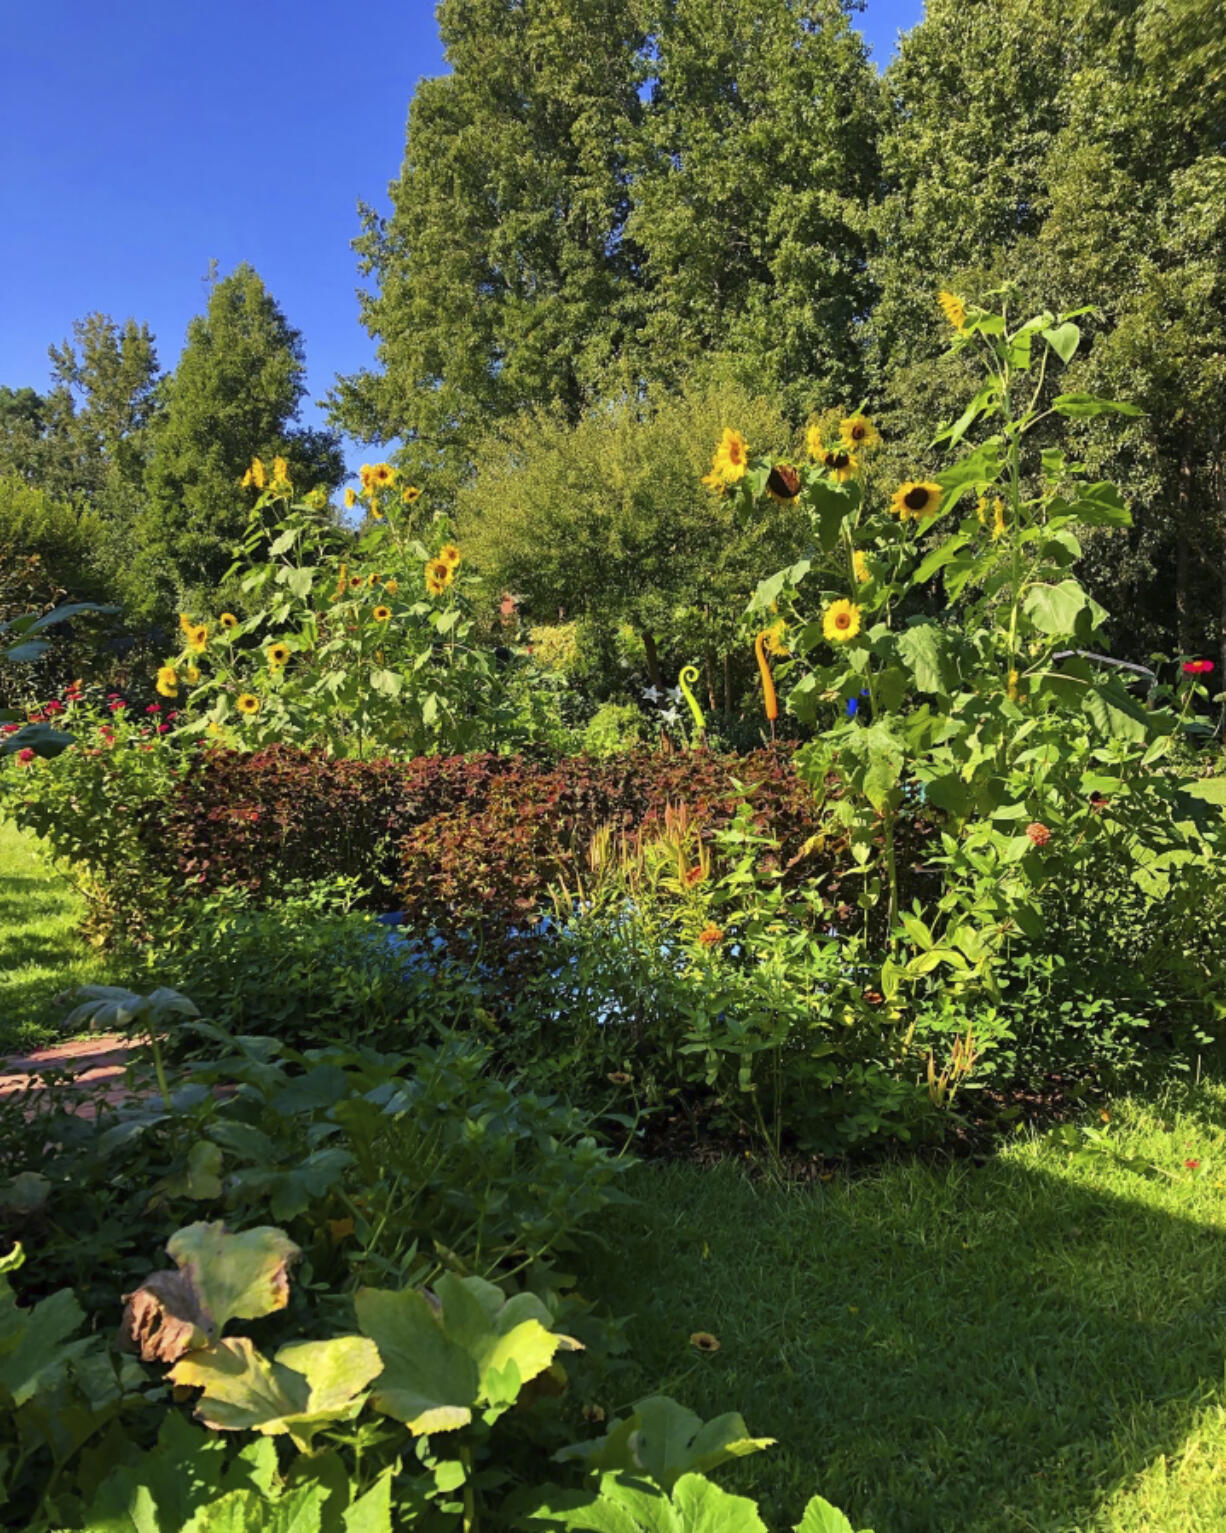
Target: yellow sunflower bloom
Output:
{"points": [[813, 442], [168, 681], [255, 476], [198, 639], [731, 456], [438, 577], [714, 482], [858, 433], [449, 555], [954, 309], [998, 519], [228, 620], [703, 1341], [840, 464], [381, 614], [841, 621], [860, 565], [277, 654], [391, 587], [280, 472], [918, 499], [185, 622], [193, 674], [355, 581], [247, 703], [411, 494], [774, 636], [351, 498], [383, 476]]}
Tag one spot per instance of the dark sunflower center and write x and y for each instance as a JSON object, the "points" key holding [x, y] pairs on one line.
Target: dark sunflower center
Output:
{"points": [[838, 460], [857, 433], [916, 499], [842, 621]]}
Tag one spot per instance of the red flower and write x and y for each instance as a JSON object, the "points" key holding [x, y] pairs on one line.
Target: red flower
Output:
{"points": [[710, 935], [1197, 667], [10, 729], [1038, 833], [154, 708], [54, 707], [25, 756], [116, 704], [1191, 1165], [163, 729]]}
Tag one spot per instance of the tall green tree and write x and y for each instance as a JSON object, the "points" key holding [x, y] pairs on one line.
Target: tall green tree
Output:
{"points": [[234, 395], [496, 279]]}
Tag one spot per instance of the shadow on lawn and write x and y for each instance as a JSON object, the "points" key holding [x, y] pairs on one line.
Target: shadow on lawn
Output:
{"points": [[936, 1349], [39, 956]]}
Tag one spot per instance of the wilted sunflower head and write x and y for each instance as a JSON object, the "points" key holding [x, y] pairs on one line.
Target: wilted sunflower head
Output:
{"points": [[783, 482]]}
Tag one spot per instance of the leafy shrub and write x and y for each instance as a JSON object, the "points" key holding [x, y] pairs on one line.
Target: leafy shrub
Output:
{"points": [[614, 727]]}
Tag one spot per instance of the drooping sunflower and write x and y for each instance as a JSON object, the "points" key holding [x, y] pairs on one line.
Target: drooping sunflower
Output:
{"points": [[280, 473], [918, 499], [774, 638], [731, 456], [228, 620], [277, 654], [410, 494], [998, 520], [438, 577], [449, 555], [783, 483], [841, 621], [367, 475], [198, 639], [953, 308], [168, 681], [381, 614], [255, 476], [193, 674], [185, 622], [351, 498], [247, 703], [372, 580], [860, 565], [858, 433]]}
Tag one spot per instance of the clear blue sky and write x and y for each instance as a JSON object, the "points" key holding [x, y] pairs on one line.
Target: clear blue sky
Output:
{"points": [[142, 139]]}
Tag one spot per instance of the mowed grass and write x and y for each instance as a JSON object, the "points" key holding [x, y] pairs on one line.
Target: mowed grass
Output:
{"points": [[41, 953], [1029, 1343]]}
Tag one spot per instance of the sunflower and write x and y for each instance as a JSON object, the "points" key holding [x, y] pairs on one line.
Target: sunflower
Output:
{"points": [[198, 639], [383, 476], [841, 621], [410, 494], [280, 472], [193, 674], [860, 565], [731, 456], [438, 577], [998, 519], [449, 555], [392, 587], [351, 498], [774, 636], [381, 614], [858, 433], [703, 1341], [783, 483], [355, 581], [277, 654], [255, 475], [839, 463], [954, 309], [916, 499], [367, 476], [372, 580], [185, 623], [248, 703], [168, 681], [228, 620]]}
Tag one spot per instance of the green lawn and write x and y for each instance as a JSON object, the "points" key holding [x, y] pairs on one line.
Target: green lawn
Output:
{"points": [[1027, 1344], [40, 951]]}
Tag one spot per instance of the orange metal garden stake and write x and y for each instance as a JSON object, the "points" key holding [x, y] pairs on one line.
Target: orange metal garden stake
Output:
{"points": [[768, 685]]}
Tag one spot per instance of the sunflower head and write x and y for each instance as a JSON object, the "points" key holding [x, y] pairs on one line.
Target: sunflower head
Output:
{"points": [[731, 456], [280, 472], [381, 614], [783, 483], [813, 442], [438, 577], [168, 681], [247, 703], [841, 621], [858, 433], [410, 494], [228, 620], [703, 1341], [193, 674], [774, 638], [351, 498], [198, 638], [391, 587], [839, 463], [916, 499], [999, 527], [185, 623], [256, 476], [383, 476], [954, 309], [860, 565], [355, 581], [449, 555], [277, 654], [367, 475]]}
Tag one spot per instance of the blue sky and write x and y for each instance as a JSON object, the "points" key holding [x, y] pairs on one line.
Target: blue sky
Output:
{"points": [[136, 142]]}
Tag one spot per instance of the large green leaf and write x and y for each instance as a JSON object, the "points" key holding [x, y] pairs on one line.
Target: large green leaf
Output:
{"points": [[1063, 340], [624, 1505], [1061, 609], [444, 1356], [220, 1277], [1078, 406], [665, 1440], [34, 1344], [306, 1386], [299, 1510], [924, 647], [821, 1517]]}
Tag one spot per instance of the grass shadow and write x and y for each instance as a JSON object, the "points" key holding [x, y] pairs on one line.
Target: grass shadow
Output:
{"points": [[935, 1348]]}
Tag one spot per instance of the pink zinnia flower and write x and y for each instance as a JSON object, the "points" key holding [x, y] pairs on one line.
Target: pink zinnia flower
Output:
{"points": [[154, 708], [54, 707], [25, 756], [1197, 667], [1038, 833]]}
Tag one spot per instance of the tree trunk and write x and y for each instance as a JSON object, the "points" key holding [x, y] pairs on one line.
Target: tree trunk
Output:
{"points": [[727, 683], [709, 667], [653, 660]]}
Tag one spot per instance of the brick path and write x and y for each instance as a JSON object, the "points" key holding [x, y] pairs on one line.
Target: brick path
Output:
{"points": [[95, 1062]]}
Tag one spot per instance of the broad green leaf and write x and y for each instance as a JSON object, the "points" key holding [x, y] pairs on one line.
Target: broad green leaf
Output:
{"points": [[388, 683], [299, 1510], [978, 468], [924, 648], [1079, 406], [372, 1512], [986, 399], [299, 582], [42, 739], [1063, 340], [821, 1517], [220, 1277], [34, 1342], [1211, 789], [939, 557], [665, 1440], [307, 1386], [1061, 609], [704, 1507]]}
